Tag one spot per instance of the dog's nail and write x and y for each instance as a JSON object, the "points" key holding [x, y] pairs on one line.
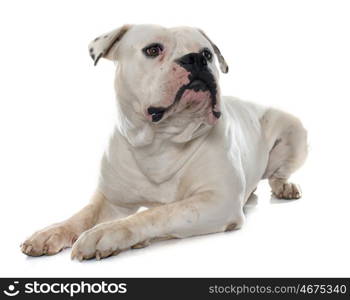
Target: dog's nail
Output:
{"points": [[74, 239], [29, 249], [73, 256], [98, 255], [45, 250]]}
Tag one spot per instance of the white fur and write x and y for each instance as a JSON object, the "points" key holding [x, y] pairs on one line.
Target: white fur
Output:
{"points": [[194, 177]]}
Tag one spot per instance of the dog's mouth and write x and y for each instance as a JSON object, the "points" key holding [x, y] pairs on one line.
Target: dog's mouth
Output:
{"points": [[199, 90]]}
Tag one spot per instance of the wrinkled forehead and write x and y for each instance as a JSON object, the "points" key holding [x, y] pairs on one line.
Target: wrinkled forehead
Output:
{"points": [[179, 39], [190, 39]]}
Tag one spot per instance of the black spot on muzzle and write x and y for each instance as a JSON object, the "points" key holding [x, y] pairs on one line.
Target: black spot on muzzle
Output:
{"points": [[156, 113]]}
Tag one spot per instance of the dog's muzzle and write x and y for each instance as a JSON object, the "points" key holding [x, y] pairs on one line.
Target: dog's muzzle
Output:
{"points": [[200, 79]]}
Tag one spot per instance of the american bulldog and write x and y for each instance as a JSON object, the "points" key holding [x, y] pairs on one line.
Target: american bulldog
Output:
{"points": [[189, 155]]}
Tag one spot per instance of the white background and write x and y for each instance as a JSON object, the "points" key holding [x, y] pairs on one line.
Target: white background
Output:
{"points": [[57, 112]]}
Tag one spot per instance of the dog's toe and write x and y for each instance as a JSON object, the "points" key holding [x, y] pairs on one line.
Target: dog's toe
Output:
{"points": [[287, 191], [102, 241], [48, 241]]}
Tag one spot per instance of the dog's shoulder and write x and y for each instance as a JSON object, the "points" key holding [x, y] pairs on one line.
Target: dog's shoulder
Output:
{"points": [[244, 111]]}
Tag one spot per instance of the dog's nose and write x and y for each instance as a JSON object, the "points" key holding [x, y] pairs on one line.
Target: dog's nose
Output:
{"points": [[198, 85], [193, 61]]}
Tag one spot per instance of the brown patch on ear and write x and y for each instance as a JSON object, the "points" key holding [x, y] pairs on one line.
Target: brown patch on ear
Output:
{"points": [[231, 227], [102, 45], [221, 59]]}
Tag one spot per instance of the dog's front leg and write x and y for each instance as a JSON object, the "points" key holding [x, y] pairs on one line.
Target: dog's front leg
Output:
{"points": [[200, 214], [56, 237]]}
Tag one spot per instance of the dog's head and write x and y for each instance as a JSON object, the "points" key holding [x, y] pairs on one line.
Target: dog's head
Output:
{"points": [[164, 72]]}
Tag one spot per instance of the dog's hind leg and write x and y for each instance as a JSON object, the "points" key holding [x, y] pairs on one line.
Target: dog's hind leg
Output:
{"points": [[287, 139]]}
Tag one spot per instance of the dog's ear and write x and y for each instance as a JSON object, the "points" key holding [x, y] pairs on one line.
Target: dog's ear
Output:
{"points": [[221, 59], [106, 44]]}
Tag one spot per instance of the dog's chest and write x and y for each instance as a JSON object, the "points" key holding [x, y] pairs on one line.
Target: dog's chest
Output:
{"points": [[143, 178], [133, 187], [148, 194], [162, 160]]}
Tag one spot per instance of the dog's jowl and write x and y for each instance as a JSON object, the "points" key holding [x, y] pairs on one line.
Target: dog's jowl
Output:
{"points": [[190, 155]]}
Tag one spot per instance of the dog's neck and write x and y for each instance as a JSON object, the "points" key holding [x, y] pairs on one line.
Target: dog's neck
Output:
{"points": [[160, 150], [132, 123]]}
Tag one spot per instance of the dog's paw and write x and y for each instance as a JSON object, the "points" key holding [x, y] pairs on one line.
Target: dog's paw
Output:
{"points": [[286, 190], [48, 241], [102, 241]]}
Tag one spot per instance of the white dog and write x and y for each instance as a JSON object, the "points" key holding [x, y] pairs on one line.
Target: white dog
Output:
{"points": [[190, 156]]}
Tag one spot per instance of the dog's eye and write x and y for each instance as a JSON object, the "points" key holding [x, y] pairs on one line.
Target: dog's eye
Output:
{"points": [[153, 50], [207, 54]]}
